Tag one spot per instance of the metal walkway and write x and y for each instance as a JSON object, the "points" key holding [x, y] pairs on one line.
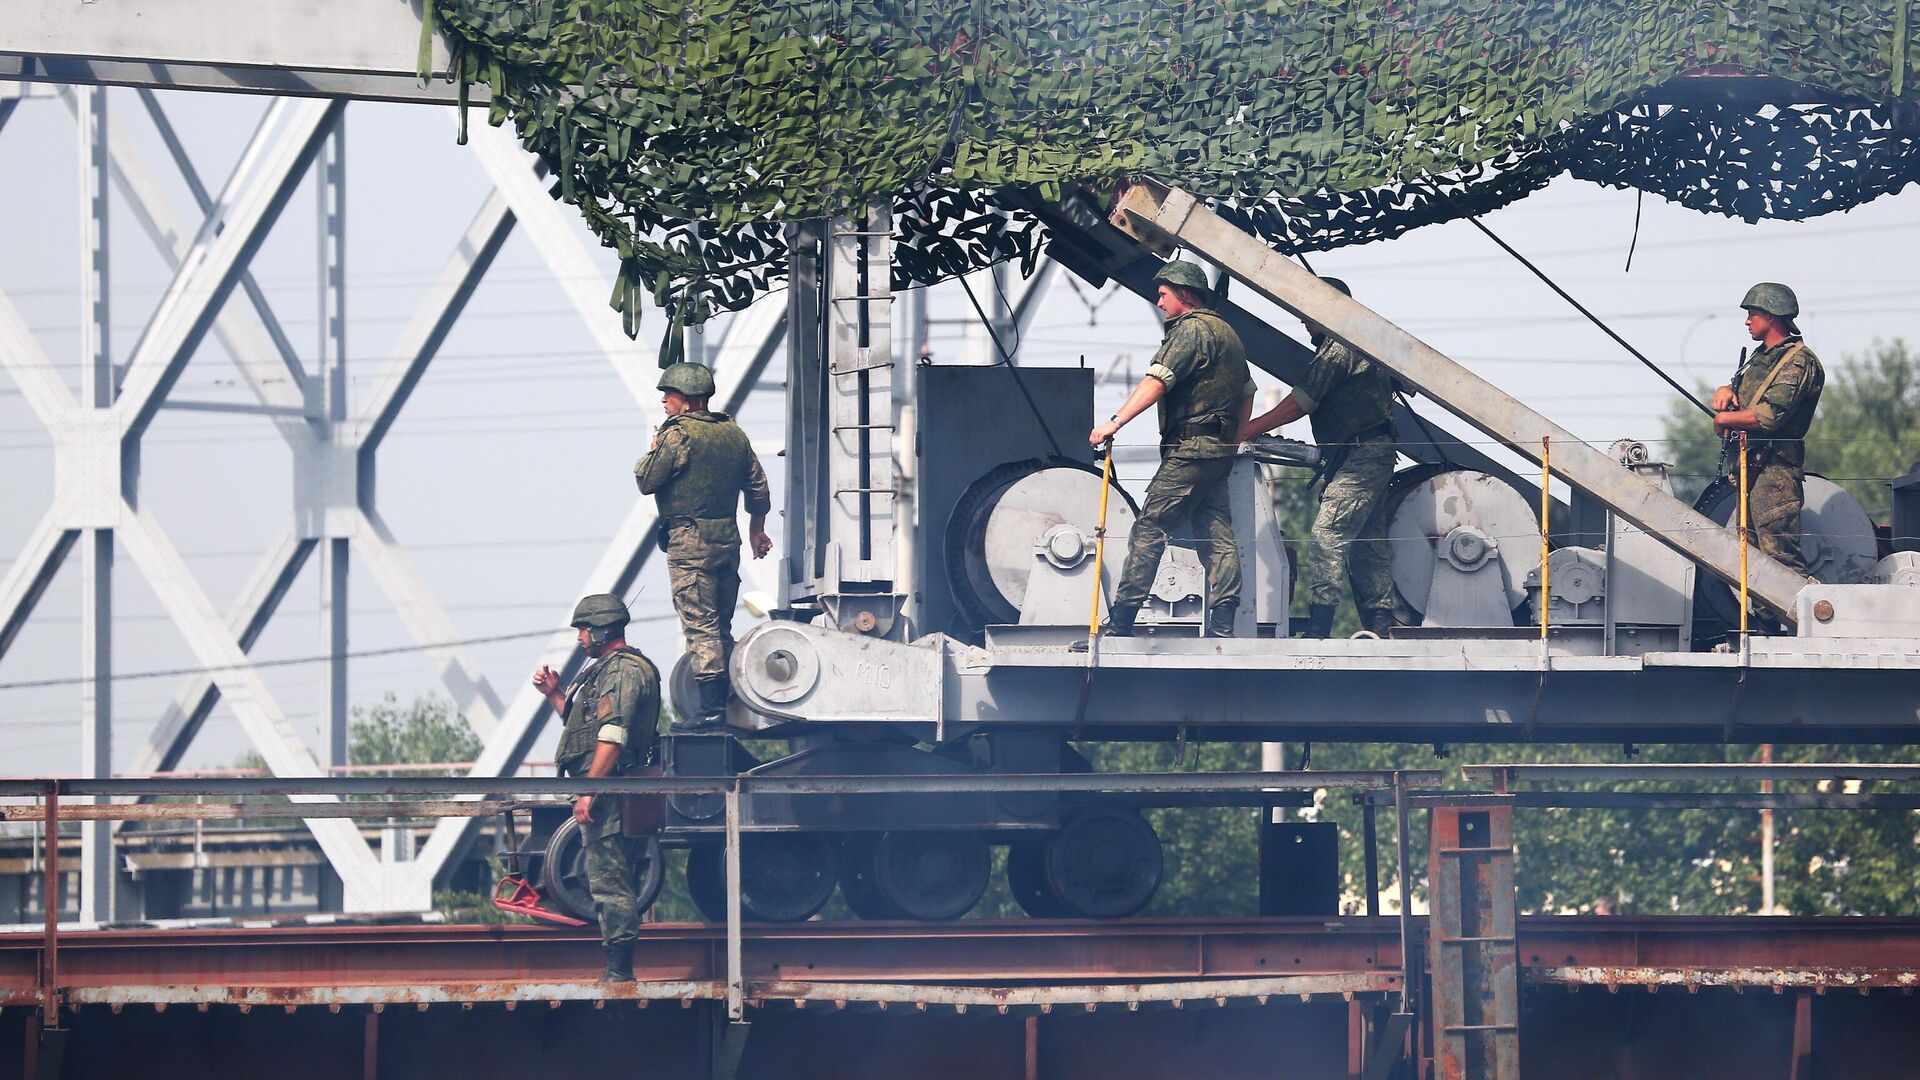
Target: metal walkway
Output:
{"points": [[1061, 998]]}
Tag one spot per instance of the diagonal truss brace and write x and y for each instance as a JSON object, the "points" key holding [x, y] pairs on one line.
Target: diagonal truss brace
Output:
{"points": [[209, 262]]}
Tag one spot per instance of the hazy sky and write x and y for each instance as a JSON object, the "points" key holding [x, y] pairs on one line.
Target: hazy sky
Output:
{"points": [[511, 464]]}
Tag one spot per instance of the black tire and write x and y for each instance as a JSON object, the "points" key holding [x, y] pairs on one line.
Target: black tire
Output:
{"points": [[932, 874], [707, 882], [682, 692], [1027, 880], [1105, 862], [784, 877], [563, 872], [857, 885], [787, 876]]}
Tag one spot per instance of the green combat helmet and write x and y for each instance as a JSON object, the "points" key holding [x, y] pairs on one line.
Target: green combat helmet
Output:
{"points": [[692, 380], [600, 612], [1773, 298], [1184, 274]]}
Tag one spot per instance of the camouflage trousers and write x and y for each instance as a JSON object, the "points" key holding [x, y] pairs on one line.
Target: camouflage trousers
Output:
{"points": [[610, 858], [1349, 530], [1774, 498], [703, 567], [1183, 490]]}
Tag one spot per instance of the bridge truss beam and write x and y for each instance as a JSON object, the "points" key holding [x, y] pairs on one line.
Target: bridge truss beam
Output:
{"points": [[334, 445]]}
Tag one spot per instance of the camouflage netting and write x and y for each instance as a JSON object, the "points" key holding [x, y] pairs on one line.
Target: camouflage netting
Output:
{"points": [[687, 132]]}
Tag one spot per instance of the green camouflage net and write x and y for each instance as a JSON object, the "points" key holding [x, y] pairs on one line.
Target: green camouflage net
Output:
{"points": [[687, 132]]}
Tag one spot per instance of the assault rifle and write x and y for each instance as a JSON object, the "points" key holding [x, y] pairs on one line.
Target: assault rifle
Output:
{"points": [[1730, 444]]}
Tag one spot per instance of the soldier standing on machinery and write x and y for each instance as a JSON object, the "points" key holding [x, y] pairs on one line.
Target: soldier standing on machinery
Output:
{"points": [[612, 711], [1773, 397], [700, 465], [1199, 380], [1351, 401]]}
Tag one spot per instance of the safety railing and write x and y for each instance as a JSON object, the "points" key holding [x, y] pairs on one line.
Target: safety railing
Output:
{"points": [[441, 797]]}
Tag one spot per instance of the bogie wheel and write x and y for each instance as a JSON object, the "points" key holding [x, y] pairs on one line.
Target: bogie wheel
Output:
{"points": [[707, 882], [563, 871], [1105, 862], [784, 877], [1027, 880], [932, 875], [858, 886]]}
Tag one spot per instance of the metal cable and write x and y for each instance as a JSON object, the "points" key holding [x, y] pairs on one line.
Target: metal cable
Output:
{"points": [[1006, 360], [1591, 317]]}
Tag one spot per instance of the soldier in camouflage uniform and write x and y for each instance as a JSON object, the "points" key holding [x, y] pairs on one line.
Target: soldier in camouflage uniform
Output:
{"points": [[1350, 398], [700, 465], [1772, 399], [1199, 380], [612, 711]]}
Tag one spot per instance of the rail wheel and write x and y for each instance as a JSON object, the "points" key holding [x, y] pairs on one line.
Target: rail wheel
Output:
{"points": [[563, 872], [707, 882], [1105, 862], [933, 874], [1027, 880], [859, 886], [784, 877]]}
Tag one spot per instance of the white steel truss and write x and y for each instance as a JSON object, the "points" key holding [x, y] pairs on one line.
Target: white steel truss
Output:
{"points": [[97, 441]]}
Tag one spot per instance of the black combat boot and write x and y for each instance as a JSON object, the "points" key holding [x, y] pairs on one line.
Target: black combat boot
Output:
{"points": [[619, 963], [712, 708], [1320, 620], [1381, 622], [714, 692], [1119, 624], [1220, 619]]}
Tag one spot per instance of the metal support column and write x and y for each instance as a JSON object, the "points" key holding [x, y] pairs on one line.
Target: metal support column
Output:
{"points": [[330, 186], [1471, 949], [97, 381], [909, 346], [840, 423]]}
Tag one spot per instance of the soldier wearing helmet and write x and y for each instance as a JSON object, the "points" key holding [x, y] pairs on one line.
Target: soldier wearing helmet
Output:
{"points": [[1351, 401], [700, 466], [611, 712], [1772, 399], [1199, 381]]}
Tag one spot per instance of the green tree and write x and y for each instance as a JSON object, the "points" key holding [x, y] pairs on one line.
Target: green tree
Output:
{"points": [[1867, 430], [1694, 862], [424, 732]]}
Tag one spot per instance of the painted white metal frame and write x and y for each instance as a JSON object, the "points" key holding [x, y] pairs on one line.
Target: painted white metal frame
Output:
{"points": [[97, 440]]}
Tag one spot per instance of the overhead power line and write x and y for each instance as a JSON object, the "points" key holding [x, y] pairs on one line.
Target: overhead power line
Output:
{"points": [[33, 684]]}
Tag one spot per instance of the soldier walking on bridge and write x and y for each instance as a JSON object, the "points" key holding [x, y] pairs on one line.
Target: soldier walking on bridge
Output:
{"points": [[612, 714], [1199, 380], [1350, 398], [1773, 398], [700, 465]]}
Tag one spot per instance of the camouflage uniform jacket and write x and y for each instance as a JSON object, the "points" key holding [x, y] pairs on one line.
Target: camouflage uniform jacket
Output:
{"points": [[1785, 406], [1346, 394], [699, 468], [616, 699], [1204, 367]]}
